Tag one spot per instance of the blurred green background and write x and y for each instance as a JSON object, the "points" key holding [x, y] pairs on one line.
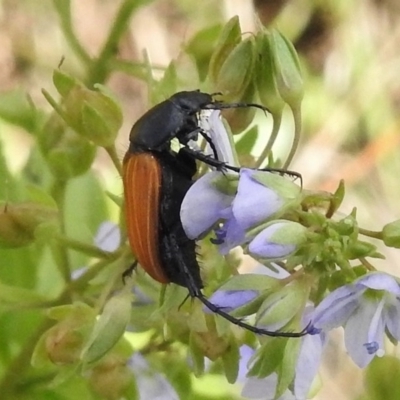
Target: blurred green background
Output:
{"points": [[350, 54]]}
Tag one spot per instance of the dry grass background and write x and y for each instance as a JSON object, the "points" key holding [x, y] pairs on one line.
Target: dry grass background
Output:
{"points": [[351, 56]]}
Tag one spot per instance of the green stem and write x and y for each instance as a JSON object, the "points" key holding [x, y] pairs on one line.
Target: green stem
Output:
{"points": [[297, 130], [275, 130], [112, 152], [99, 70], [372, 234], [84, 248], [59, 251], [64, 11], [367, 264]]}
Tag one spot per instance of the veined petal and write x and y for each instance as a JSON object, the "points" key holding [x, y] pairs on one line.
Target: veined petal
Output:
{"points": [[202, 206], [392, 318], [307, 364], [336, 308], [254, 203], [380, 281], [357, 333]]}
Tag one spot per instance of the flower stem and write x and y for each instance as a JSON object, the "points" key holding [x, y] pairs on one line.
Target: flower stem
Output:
{"points": [[372, 234], [275, 130], [64, 11], [297, 130], [100, 70], [112, 152]]}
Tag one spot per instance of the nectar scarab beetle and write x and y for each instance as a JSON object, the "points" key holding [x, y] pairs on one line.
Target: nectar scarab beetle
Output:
{"points": [[156, 179]]}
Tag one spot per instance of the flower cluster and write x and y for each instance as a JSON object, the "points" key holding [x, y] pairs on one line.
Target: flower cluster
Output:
{"points": [[275, 221]]}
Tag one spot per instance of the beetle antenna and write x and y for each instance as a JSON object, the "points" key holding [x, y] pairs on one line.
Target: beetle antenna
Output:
{"points": [[220, 106], [220, 165]]}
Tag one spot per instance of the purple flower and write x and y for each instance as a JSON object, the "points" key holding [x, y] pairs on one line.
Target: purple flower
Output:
{"points": [[365, 308], [236, 207]]}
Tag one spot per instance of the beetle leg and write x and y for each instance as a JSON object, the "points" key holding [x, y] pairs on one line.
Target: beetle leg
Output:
{"points": [[128, 272], [195, 291]]}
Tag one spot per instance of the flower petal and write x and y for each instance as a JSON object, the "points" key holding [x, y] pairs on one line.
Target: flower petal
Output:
{"points": [[307, 364], [392, 318], [264, 389], [254, 203], [358, 333], [336, 308], [380, 281], [202, 206], [108, 236]]}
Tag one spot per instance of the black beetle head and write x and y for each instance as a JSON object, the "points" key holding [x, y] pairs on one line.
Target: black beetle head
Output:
{"points": [[191, 102]]}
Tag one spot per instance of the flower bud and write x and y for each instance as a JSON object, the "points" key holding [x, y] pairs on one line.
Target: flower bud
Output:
{"points": [[111, 377], [391, 234], [210, 344], [278, 240], [93, 114], [265, 75], [235, 74], [63, 344], [229, 38], [287, 73], [18, 222], [62, 147]]}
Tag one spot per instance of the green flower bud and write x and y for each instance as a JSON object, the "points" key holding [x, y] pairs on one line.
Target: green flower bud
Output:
{"points": [[93, 115], [235, 74], [287, 73], [18, 222], [266, 74], [210, 344], [111, 377], [67, 154], [391, 234], [240, 118], [229, 38], [63, 344]]}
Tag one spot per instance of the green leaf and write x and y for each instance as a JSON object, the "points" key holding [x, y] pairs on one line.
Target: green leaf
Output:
{"points": [[230, 361], [288, 366], [64, 82], [109, 328]]}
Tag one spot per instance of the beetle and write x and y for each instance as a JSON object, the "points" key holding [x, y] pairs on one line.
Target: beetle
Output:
{"points": [[156, 179]]}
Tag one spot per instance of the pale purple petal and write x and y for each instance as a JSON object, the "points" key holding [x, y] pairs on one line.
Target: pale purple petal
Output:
{"points": [[263, 246], [264, 389], [392, 319], [108, 236], [234, 236], [210, 122], [336, 308], [202, 206], [246, 352], [307, 364], [380, 281], [254, 203], [229, 300], [357, 331]]}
